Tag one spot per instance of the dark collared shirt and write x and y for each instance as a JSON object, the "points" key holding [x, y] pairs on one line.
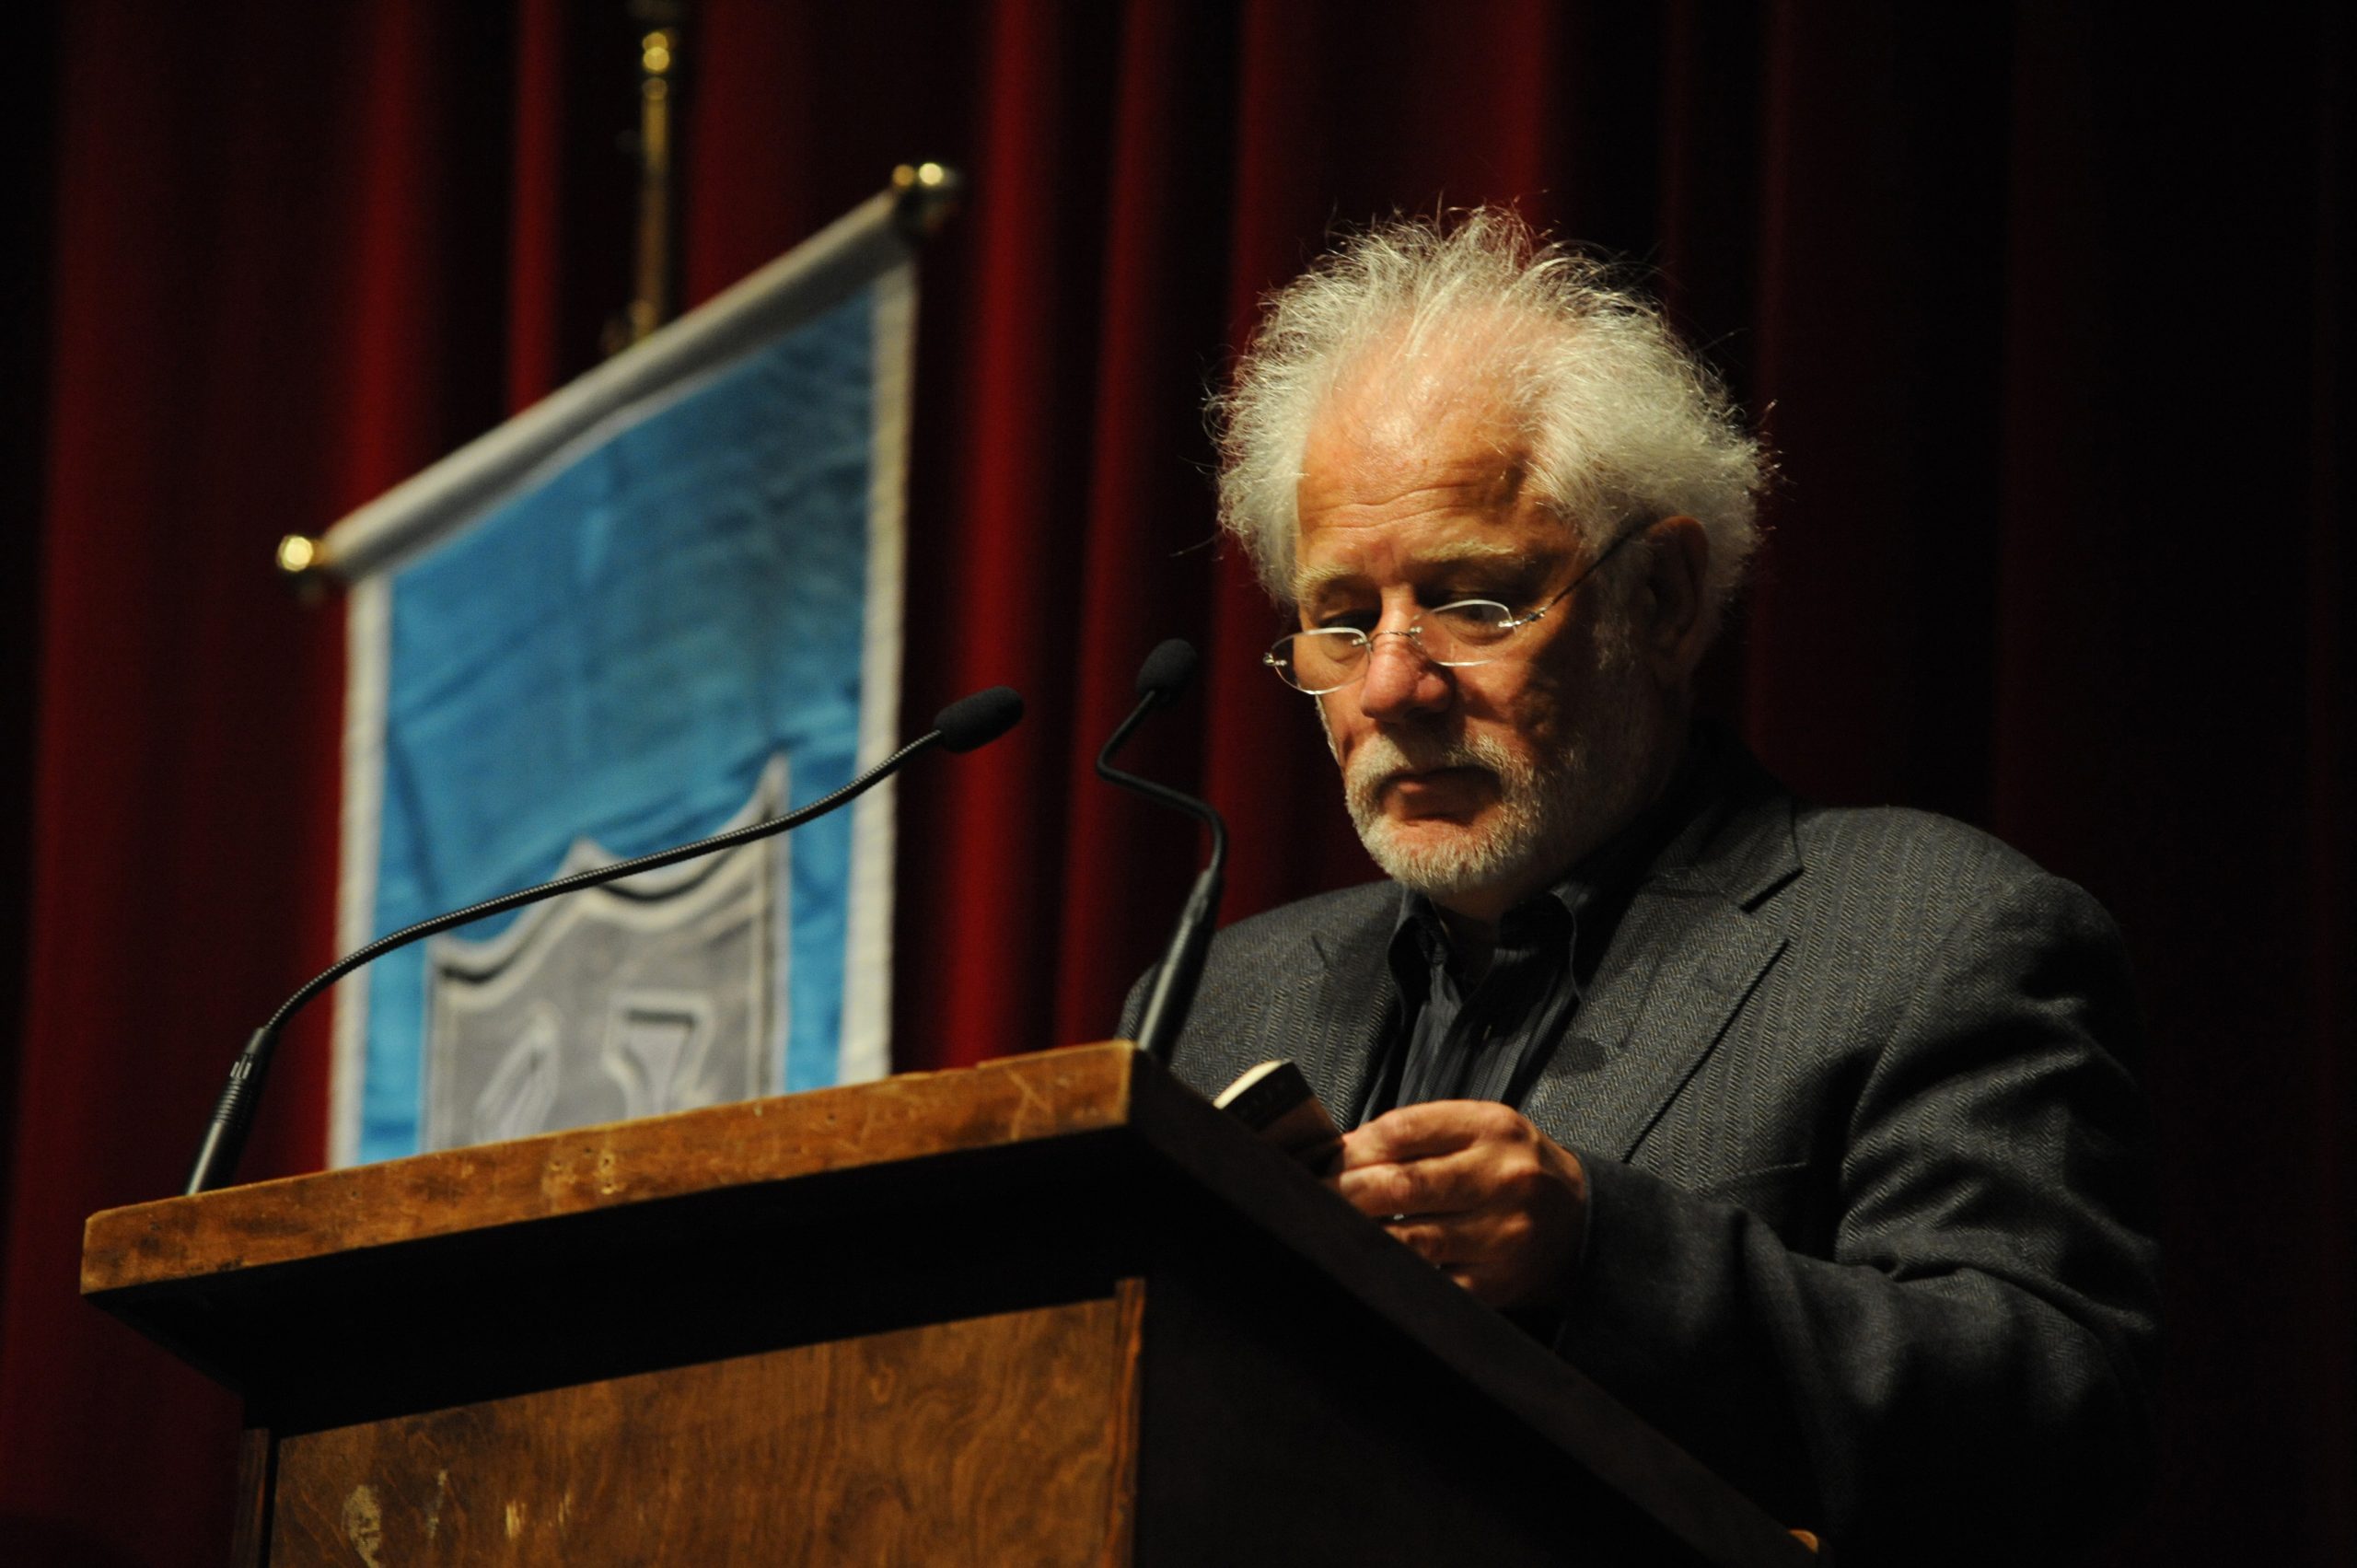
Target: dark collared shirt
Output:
{"points": [[1489, 1040]]}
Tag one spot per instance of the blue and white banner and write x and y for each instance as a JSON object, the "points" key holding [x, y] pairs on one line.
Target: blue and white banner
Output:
{"points": [[662, 601]]}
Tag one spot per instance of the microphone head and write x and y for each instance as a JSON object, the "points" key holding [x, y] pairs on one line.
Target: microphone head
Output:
{"points": [[1166, 671], [978, 719]]}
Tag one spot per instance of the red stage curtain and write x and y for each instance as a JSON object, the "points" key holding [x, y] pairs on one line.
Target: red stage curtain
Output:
{"points": [[2049, 316]]}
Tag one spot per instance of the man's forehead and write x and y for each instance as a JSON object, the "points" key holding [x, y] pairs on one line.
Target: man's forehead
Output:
{"points": [[1391, 402], [1402, 423]]}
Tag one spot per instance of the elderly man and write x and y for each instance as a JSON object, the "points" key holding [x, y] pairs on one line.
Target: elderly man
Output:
{"points": [[1804, 1131]]}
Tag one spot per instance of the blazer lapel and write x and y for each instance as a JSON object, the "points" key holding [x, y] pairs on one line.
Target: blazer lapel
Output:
{"points": [[1356, 1001], [1650, 1022], [1686, 953]]}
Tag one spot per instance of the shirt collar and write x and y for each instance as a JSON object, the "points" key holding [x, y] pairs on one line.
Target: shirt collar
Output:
{"points": [[1605, 873]]}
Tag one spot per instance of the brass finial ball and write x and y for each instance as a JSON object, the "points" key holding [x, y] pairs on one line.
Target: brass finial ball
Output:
{"points": [[298, 553]]}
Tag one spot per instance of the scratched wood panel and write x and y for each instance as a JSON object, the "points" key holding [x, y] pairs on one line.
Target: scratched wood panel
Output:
{"points": [[249, 1519], [994, 1440], [1015, 1099]]}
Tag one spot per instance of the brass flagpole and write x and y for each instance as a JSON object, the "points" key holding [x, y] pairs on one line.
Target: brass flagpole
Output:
{"points": [[654, 274]]}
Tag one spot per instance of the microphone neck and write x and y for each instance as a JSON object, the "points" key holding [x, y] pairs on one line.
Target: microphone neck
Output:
{"points": [[1172, 992], [1202, 811]]}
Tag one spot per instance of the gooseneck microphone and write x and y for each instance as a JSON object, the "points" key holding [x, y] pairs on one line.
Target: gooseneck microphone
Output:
{"points": [[1164, 675], [972, 721]]}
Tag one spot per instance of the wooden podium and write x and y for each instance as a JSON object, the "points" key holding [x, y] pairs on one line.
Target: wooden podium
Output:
{"points": [[1054, 1309]]}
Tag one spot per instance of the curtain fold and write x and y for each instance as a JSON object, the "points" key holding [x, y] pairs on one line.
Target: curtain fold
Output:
{"points": [[2047, 312]]}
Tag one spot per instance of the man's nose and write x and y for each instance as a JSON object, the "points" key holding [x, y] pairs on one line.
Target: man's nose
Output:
{"points": [[1400, 680]]}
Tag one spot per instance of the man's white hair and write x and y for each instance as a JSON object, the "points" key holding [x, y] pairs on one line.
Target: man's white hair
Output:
{"points": [[1625, 426]]}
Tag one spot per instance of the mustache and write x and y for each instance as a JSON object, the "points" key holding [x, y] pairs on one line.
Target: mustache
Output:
{"points": [[1384, 757]]}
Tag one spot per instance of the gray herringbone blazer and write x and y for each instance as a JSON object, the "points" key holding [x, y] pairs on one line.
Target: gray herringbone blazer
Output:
{"points": [[1871, 1191]]}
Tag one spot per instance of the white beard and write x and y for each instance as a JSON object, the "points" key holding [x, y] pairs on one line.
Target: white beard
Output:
{"points": [[1549, 811]]}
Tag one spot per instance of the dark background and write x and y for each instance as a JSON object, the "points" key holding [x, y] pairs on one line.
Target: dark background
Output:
{"points": [[2046, 310]]}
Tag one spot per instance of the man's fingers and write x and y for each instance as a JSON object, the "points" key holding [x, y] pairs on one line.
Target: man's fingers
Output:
{"points": [[1442, 1184], [1475, 1190], [1419, 1131]]}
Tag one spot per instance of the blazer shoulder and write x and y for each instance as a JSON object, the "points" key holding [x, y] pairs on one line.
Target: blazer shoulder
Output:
{"points": [[1762, 845], [1902, 882], [1932, 857], [1283, 948], [1305, 979], [1324, 926]]}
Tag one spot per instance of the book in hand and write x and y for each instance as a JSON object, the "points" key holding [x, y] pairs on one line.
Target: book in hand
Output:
{"points": [[1277, 1102]]}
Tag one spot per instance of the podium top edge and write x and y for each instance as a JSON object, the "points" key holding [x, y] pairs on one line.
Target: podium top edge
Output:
{"points": [[1008, 1100]]}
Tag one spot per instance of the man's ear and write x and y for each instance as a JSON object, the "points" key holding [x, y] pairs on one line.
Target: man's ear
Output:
{"points": [[1673, 616]]}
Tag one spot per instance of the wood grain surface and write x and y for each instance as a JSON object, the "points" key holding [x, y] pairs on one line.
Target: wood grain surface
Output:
{"points": [[1012, 1100], [995, 1440]]}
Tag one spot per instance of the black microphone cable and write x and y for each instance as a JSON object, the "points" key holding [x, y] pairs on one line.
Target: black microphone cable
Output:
{"points": [[970, 722]]}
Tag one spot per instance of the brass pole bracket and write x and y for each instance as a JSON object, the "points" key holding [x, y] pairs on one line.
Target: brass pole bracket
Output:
{"points": [[925, 196]]}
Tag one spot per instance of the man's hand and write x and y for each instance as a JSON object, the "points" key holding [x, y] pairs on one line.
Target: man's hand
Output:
{"points": [[1477, 1192]]}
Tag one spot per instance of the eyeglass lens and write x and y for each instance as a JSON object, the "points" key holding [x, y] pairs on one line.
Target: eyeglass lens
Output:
{"points": [[1456, 634]]}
